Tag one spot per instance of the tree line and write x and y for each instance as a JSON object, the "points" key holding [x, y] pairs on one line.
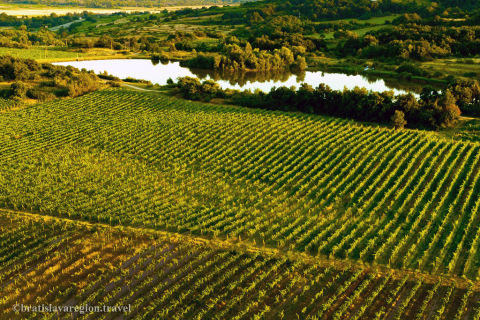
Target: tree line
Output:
{"points": [[51, 20], [412, 41], [233, 57], [22, 38], [432, 109], [254, 13], [43, 81]]}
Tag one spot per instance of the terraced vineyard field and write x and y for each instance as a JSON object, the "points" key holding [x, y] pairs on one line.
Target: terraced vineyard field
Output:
{"points": [[324, 186], [179, 277]]}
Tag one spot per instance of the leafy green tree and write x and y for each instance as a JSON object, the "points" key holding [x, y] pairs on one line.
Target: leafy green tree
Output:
{"points": [[398, 120], [450, 112]]}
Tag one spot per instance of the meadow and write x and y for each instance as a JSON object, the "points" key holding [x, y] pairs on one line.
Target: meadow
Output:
{"points": [[331, 188], [372, 24]]}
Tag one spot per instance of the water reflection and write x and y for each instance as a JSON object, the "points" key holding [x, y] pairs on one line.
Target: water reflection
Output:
{"points": [[241, 79], [159, 73]]}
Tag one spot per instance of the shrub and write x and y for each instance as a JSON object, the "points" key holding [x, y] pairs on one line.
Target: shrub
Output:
{"points": [[36, 93], [411, 69], [19, 90]]}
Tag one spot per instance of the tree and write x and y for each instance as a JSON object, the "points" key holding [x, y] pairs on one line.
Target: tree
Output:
{"points": [[450, 113], [398, 120], [428, 95], [467, 94], [407, 103]]}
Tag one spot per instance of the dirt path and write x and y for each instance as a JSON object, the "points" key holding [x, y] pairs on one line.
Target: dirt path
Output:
{"points": [[66, 25], [137, 88]]}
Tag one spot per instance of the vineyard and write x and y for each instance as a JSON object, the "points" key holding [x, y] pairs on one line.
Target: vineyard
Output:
{"points": [[6, 105], [321, 188], [325, 186], [177, 277]]}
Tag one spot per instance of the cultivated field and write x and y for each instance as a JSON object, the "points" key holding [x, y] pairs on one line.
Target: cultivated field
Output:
{"points": [[166, 276], [8, 104], [16, 10], [328, 187], [119, 193]]}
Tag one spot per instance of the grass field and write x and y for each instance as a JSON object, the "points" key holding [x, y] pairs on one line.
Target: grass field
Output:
{"points": [[328, 187], [377, 23], [462, 67], [373, 20], [360, 32], [468, 130]]}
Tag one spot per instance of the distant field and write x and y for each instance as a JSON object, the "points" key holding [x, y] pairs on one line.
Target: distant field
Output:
{"points": [[42, 11], [324, 186], [373, 20], [363, 31], [121, 26], [461, 67], [57, 54], [39, 53], [360, 32], [377, 23]]}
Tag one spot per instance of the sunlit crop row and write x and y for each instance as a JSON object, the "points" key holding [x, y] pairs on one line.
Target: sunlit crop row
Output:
{"points": [[325, 186], [167, 277]]}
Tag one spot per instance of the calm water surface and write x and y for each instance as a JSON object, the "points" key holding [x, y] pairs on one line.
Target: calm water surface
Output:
{"points": [[159, 73]]}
